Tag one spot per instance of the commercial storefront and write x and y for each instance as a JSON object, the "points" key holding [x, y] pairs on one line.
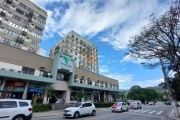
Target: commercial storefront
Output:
{"points": [[13, 89]]}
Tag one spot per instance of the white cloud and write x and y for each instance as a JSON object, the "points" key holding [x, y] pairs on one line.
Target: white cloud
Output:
{"points": [[128, 58], [90, 17], [126, 81], [100, 56], [103, 69], [112, 61]]}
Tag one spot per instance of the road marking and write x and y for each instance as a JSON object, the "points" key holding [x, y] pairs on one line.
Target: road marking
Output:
{"points": [[138, 111], [145, 111], [152, 112], [144, 115], [96, 118], [159, 113]]}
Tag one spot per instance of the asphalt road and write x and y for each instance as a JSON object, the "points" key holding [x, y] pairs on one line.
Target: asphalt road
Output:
{"points": [[156, 112]]}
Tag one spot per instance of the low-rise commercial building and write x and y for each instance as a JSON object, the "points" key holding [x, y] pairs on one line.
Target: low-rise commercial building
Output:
{"points": [[26, 75]]}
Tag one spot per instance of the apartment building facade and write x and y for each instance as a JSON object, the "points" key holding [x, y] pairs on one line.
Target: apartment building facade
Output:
{"points": [[22, 24], [84, 53], [27, 75]]}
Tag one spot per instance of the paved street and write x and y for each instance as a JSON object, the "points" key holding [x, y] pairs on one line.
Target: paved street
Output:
{"points": [[156, 112]]}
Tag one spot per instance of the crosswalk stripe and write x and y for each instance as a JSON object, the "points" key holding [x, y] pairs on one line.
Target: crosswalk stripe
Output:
{"points": [[145, 111], [152, 112], [159, 113], [138, 111]]}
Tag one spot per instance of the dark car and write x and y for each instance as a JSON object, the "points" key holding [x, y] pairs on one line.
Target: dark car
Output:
{"points": [[168, 102]]}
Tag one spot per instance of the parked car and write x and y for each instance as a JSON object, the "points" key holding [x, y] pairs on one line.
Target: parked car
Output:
{"points": [[168, 102], [80, 109], [151, 103], [15, 109], [119, 107], [135, 105]]}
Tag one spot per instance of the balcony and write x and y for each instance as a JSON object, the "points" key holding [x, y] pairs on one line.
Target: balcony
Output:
{"points": [[30, 19], [19, 39], [31, 13], [93, 85], [12, 73], [24, 33], [9, 1], [3, 13]]}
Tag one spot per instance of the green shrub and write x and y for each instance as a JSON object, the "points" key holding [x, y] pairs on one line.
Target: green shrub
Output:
{"points": [[41, 107], [128, 103], [103, 104]]}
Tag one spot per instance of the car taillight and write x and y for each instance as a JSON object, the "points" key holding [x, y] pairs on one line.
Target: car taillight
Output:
{"points": [[30, 109]]}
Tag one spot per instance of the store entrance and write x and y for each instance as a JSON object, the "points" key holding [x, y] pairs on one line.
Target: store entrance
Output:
{"points": [[15, 95]]}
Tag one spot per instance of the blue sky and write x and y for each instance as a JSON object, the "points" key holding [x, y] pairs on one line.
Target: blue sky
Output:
{"points": [[109, 24]]}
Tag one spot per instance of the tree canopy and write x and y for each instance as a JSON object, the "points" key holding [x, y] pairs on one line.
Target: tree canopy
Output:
{"points": [[143, 93], [160, 38]]}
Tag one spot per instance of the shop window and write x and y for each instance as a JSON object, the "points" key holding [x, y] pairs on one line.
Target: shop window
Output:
{"points": [[73, 96], [8, 104], [27, 70]]}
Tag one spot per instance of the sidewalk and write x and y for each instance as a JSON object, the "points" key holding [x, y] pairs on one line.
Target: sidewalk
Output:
{"points": [[172, 114], [55, 113]]}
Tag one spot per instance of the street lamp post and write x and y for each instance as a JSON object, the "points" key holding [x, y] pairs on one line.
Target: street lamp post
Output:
{"points": [[169, 87]]}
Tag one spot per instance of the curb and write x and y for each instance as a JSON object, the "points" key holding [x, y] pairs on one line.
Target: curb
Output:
{"points": [[46, 116]]}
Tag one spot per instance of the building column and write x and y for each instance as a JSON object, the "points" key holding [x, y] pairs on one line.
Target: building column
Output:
{"points": [[67, 96], [98, 96], [25, 90], [2, 86], [45, 97], [92, 96], [104, 96]]}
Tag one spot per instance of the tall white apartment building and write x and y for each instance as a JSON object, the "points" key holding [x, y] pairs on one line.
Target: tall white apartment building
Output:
{"points": [[22, 24], [83, 52]]}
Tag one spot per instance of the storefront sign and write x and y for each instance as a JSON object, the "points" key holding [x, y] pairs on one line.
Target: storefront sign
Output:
{"points": [[14, 86], [66, 63], [35, 90]]}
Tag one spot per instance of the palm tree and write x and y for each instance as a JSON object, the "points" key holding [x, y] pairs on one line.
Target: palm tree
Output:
{"points": [[50, 92]]}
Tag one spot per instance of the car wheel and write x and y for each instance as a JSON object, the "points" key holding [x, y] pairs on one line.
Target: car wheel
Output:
{"points": [[19, 118], [127, 109], [140, 107], [121, 110], [93, 113], [76, 115]]}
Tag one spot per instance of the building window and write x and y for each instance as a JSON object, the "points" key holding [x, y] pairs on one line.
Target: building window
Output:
{"points": [[5, 40], [27, 70], [41, 23], [75, 53], [34, 42], [36, 35], [16, 44], [6, 4], [76, 38], [25, 21], [19, 11], [17, 17], [72, 36], [22, 5], [41, 73], [27, 15], [30, 10], [30, 49], [38, 28], [71, 51], [42, 17], [75, 58]]}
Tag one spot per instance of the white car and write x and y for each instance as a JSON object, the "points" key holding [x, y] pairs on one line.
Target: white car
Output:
{"points": [[119, 107], [15, 109], [79, 109]]}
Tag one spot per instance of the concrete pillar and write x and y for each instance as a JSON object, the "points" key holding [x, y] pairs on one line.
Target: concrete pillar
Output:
{"points": [[25, 90], [98, 96], [92, 96], [67, 95], [2, 86], [45, 97], [105, 96]]}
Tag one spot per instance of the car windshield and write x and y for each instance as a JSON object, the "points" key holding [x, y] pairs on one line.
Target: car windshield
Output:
{"points": [[77, 104], [134, 103], [117, 103]]}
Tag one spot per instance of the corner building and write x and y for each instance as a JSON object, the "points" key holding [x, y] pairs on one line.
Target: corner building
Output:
{"points": [[22, 24], [26, 75], [84, 53]]}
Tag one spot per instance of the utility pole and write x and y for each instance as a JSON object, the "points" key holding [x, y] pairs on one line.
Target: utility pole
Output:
{"points": [[169, 88]]}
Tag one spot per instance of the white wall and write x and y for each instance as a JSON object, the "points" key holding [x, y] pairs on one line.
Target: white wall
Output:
{"points": [[42, 52], [10, 66]]}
